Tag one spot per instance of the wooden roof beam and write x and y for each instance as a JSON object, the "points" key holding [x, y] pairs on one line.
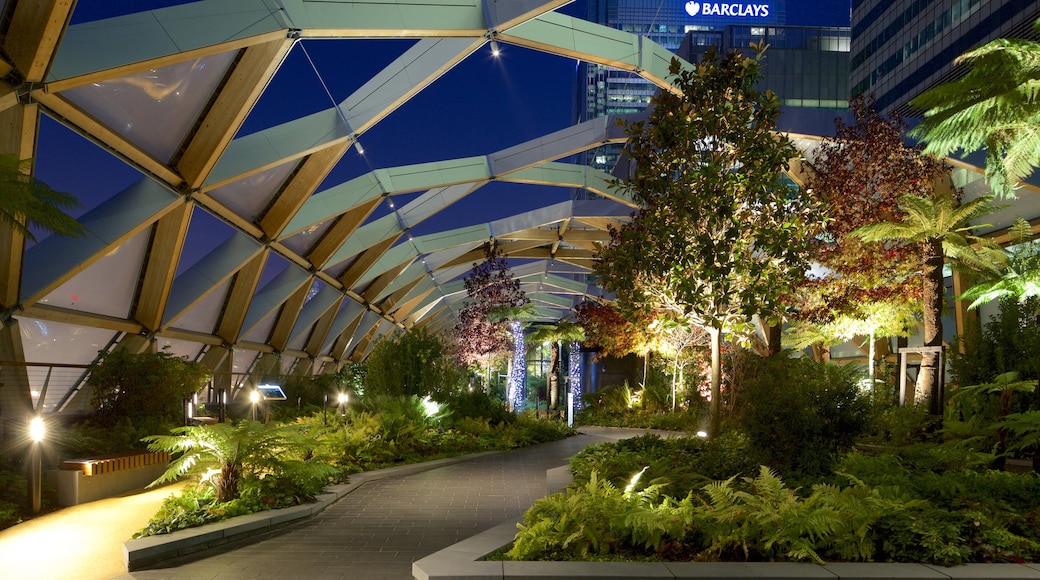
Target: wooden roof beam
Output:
{"points": [[246, 82], [33, 35], [308, 177], [243, 287], [161, 266], [345, 226], [366, 260]]}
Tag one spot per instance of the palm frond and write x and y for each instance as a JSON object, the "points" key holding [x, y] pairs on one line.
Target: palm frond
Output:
{"points": [[995, 106]]}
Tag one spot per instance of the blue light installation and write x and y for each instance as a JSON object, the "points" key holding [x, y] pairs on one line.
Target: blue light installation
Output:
{"points": [[518, 372], [574, 373]]}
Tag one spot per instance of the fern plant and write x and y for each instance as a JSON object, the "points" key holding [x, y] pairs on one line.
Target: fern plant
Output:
{"points": [[597, 520], [223, 454]]}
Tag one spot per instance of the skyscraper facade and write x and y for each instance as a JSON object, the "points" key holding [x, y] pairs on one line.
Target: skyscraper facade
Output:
{"points": [[606, 91], [900, 48]]}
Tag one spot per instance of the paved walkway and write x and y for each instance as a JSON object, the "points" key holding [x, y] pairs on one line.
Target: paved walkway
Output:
{"points": [[375, 532]]}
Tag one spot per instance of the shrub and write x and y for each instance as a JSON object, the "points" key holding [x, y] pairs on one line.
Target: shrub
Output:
{"points": [[476, 404], [1007, 343], [600, 519], [613, 398], [224, 455], [798, 414], [143, 386], [678, 465], [413, 363]]}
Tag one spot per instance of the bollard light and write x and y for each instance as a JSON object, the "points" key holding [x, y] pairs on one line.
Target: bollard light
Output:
{"points": [[254, 398], [36, 433]]}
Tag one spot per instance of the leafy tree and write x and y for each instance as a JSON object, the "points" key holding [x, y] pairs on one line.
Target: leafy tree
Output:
{"points": [[224, 454], [488, 285], [554, 334], [616, 334], [859, 175], [940, 228], [478, 335], [147, 385], [727, 239], [412, 363], [610, 331], [26, 201], [995, 106]]}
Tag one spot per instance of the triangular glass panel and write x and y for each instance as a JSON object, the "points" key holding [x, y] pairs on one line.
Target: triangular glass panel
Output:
{"points": [[47, 341], [315, 66], [303, 241], [275, 265], [203, 317], [249, 196], [157, 108], [299, 342], [205, 232], [262, 331], [107, 287], [68, 162], [243, 360]]}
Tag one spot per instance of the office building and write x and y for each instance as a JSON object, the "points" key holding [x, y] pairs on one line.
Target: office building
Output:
{"points": [[902, 48]]}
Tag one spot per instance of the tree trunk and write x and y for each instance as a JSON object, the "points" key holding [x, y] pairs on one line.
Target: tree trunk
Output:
{"points": [[675, 366], [773, 334], [716, 381], [554, 376], [932, 306], [227, 484], [1036, 407], [646, 367]]}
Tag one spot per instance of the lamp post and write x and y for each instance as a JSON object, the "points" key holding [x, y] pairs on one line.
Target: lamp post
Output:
{"points": [[36, 433], [343, 398], [254, 398]]}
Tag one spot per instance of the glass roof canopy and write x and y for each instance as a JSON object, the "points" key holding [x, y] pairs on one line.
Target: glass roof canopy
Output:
{"points": [[295, 179]]}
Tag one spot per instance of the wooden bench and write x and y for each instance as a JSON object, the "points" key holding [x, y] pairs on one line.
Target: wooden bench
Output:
{"points": [[92, 478]]}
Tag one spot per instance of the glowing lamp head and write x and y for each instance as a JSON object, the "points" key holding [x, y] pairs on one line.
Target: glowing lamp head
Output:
{"points": [[343, 398], [430, 406], [702, 434], [36, 430], [254, 397]]}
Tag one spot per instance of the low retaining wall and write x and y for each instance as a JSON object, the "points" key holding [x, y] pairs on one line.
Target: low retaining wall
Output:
{"points": [[84, 480], [462, 561], [145, 552]]}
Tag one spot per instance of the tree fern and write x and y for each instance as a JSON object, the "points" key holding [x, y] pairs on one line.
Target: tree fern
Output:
{"points": [[995, 106], [23, 198], [224, 453]]}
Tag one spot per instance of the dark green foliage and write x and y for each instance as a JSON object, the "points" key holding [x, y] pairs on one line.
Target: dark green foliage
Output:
{"points": [[965, 513], [477, 404], [689, 421], [680, 465], [13, 490], [599, 519], [1008, 342], [798, 414], [413, 363], [143, 386], [225, 455], [933, 504]]}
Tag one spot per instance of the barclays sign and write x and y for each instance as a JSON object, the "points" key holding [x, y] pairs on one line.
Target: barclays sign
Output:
{"points": [[736, 9]]}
